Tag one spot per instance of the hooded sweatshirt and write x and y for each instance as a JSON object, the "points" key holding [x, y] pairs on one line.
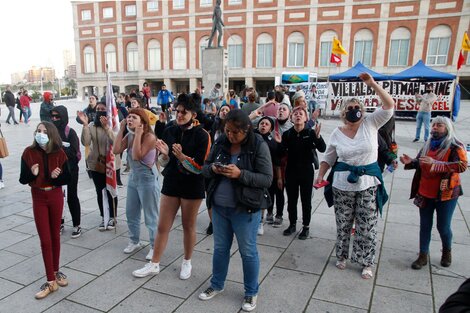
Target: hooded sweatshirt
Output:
{"points": [[72, 137], [46, 107]]}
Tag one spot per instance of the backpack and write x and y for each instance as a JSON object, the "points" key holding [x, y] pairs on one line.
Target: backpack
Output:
{"points": [[67, 133]]}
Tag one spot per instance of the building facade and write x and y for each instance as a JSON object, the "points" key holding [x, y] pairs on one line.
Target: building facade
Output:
{"points": [[162, 41], [36, 74]]}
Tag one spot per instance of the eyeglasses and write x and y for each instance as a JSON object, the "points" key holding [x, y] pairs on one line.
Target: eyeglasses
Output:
{"points": [[234, 132], [356, 107], [55, 117]]}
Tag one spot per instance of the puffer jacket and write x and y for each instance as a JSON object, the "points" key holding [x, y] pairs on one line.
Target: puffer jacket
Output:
{"points": [[98, 139]]}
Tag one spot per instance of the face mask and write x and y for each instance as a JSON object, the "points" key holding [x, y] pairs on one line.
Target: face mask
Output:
{"points": [[57, 123], [129, 130], [41, 139], [353, 115], [428, 91], [97, 118], [187, 125]]}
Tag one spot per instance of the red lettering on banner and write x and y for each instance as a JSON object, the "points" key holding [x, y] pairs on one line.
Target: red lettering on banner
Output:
{"points": [[440, 106], [334, 104]]}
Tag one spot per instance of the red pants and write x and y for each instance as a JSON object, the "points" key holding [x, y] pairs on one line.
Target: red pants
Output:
{"points": [[47, 209]]}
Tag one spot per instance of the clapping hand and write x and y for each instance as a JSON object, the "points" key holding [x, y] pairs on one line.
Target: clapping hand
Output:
{"points": [[317, 129], [177, 150], [162, 147], [104, 122], [83, 117], [367, 79], [406, 159], [35, 169], [55, 173]]}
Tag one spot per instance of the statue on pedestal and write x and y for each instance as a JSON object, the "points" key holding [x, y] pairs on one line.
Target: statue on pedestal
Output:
{"points": [[217, 24]]}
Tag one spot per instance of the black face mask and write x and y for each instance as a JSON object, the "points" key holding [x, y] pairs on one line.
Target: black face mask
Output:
{"points": [[186, 126], [58, 124], [353, 115], [428, 90], [97, 118]]}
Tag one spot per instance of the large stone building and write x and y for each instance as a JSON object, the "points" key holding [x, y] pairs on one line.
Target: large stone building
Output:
{"points": [[36, 74], [161, 41]]}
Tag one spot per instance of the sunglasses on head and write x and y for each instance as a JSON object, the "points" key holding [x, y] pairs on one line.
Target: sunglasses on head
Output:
{"points": [[356, 107]]}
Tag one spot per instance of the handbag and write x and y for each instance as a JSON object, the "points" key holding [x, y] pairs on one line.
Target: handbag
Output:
{"points": [[3, 146]]}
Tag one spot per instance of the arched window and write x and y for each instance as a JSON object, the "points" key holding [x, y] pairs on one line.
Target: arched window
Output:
{"points": [[326, 42], [154, 55], [264, 51], [89, 58], [132, 57], [202, 45], [399, 47], [235, 51], [363, 47], [295, 53], [179, 54], [438, 45], [110, 57]]}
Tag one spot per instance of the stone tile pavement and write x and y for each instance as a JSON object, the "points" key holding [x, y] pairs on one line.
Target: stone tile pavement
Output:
{"points": [[295, 276]]}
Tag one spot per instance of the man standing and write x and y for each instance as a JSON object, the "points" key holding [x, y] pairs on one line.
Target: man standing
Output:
{"points": [[217, 24], [164, 99], [10, 102], [312, 99], [46, 107], [425, 103], [216, 96]]}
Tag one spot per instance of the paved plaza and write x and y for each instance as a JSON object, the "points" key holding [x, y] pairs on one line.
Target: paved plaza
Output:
{"points": [[295, 275]]}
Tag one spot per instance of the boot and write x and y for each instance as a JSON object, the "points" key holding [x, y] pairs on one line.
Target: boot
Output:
{"points": [[446, 258], [421, 261], [118, 178]]}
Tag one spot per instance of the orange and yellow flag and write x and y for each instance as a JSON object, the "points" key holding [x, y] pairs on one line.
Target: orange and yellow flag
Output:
{"points": [[337, 48], [465, 42]]}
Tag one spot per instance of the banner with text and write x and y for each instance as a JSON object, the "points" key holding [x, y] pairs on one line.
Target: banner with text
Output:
{"points": [[402, 92]]}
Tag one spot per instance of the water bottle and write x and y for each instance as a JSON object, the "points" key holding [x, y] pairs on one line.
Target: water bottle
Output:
{"points": [[468, 147], [390, 168]]}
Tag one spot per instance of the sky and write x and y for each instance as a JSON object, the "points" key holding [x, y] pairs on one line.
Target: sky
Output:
{"points": [[34, 33]]}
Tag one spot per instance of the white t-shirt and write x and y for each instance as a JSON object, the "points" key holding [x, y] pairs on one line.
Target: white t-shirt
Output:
{"points": [[360, 150]]}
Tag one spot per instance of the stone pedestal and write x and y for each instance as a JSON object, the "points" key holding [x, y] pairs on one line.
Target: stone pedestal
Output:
{"points": [[213, 69]]}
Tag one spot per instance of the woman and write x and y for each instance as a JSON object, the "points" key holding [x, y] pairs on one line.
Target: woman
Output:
{"points": [[137, 103], [230, 100], [25, 101], [146, 95], [142, 186], [299, 144], [184, 148], [265, 129], [71, 146], [436, 186], [240, 171], [98, 136], [44, 167], [358, 191]]}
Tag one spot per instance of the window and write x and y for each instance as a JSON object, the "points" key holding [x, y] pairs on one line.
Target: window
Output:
{"points": [[264, 51], [132, 57], [235, 50], [89, 58], [154, 55], [86, 15], [295, 53], [179, 54], [363, 47], [107, 12], [438, 45], [202, 46], [110, 57], [231, 2], [326, 42], [206, 3], [131, 10], [399, 47], [152, 6], [178, 4]]}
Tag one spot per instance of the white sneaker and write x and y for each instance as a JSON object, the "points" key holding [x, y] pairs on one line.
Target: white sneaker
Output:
{"points": [[186, 268], [260, 229], [249, 303], [209, 293], [2, 185], [149, 255], [149, 269], [131, 247]]}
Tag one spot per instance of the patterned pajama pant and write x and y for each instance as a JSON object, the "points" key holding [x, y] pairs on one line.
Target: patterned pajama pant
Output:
{"points": [[356, 206]]}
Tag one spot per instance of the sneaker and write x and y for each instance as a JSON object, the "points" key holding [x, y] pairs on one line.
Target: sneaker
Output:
{"points": [[249, 303], [277, 222], [77, 232], [2, 184], [416, 140], [289, 230], [149, 269], [186, 268], [46, 289], [269, 218], [131, 247], [260, 229], [209, 229], [304, 233], [149, 255], [209, 293], [61, 279], [111, 224], [101, 227], [62, 227]]}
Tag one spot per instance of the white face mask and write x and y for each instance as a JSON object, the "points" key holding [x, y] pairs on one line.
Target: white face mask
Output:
{"points": [[41, 139]]}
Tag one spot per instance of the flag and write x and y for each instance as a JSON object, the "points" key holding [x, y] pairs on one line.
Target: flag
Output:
{"points": [[113, 122], [456, 103], [460, 61], [337, 48], [465, 42], [335, 58]]}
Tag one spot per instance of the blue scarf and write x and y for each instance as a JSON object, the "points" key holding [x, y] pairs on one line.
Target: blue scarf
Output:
{"points": [[436, 143]]}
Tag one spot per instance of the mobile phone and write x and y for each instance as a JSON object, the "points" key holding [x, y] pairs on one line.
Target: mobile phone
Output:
{"points": [[220, 165], [321, 184]]}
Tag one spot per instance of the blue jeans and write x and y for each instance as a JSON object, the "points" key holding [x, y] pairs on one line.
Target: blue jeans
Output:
{"points": [[423, 118], [142, 192], [444, 212], [26, 114], [226, 222]]}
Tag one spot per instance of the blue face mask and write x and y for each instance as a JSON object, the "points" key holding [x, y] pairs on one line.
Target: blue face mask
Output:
{"points": [[41, 139]]}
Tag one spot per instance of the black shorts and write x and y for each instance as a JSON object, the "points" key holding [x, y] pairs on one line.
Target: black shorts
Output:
{"points": [[192, 190]]}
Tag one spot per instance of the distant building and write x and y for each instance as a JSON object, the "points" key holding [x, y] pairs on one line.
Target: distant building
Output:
{"points": [[18, 78], [69, 58], [71, 71], [36, 73]]}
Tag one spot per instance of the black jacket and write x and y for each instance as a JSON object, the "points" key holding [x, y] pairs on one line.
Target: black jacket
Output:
{"points": [[9, 98], [71, 137], [256, 168]]}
